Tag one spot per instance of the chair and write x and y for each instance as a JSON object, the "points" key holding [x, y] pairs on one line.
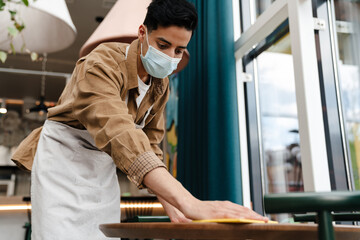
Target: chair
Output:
{"points": [[323, 204]]}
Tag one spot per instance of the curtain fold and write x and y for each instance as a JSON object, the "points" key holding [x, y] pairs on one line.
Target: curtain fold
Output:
{"points": [[208, 147]]}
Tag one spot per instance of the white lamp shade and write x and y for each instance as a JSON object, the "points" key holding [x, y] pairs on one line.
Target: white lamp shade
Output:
{"points": [[121, 24], [48, 26]]}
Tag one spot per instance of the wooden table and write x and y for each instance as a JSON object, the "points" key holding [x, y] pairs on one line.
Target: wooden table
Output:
{"points": [[224, 231]]}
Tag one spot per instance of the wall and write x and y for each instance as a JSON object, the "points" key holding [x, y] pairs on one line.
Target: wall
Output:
{"points": [[11, 225]]}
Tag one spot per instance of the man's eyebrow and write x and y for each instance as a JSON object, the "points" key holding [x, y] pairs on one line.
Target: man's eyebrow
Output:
{"points": [[166, 41]]}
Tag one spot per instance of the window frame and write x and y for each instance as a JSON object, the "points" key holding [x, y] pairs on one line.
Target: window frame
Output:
{"points": [[336, 142], [309, 97]]}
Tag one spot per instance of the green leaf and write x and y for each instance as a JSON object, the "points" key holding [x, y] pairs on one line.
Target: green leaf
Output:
{"points": [[19, 26], [3, 56], [2, 5], [12, 48], [26, 2], [13, 31], [34, 56], [12, 13]]}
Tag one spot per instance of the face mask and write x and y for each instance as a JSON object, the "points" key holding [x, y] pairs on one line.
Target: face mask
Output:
{"points": [[157, 63]]}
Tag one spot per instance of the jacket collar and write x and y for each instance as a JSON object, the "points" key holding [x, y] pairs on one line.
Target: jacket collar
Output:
{"points": [[131, 64]]}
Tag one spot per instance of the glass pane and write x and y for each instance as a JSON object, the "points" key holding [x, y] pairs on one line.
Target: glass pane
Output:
{"points": [[348, 34], [279, 121], [262, 5]]}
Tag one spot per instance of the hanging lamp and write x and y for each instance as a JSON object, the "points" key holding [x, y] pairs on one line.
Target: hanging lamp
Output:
{"points": [[3, 108], [48, 26], [41, 108]]}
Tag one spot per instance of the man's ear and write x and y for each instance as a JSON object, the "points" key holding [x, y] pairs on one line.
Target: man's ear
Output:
{"points": [[141, 33]]}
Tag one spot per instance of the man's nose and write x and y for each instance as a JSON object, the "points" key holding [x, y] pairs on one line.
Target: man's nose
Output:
{"points": [[171, 53]]}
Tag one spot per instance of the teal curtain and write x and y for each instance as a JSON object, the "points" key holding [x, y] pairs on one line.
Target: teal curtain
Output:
{"points": [[208, 131]]}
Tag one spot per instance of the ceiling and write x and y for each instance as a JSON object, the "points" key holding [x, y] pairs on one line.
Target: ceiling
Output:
{"points": [[19, 86]]}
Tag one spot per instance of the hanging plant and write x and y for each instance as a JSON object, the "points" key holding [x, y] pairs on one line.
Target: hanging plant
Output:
{"points": [[16, 29]]}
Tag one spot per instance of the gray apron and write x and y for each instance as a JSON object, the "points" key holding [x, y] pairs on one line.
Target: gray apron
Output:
{"points": [[74, 186]]}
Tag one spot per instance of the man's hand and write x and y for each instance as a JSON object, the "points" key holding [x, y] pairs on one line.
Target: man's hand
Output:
{"points": [[170, 191], [220, 209], [174, 214]]}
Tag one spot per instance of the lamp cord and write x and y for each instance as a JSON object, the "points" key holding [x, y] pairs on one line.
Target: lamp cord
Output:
{"points": [[43, 76]]}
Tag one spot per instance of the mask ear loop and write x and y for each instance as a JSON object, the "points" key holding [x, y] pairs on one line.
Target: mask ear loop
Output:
{"points": [[147, 40]]}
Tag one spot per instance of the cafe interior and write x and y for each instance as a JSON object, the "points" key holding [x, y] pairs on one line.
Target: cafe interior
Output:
{"points": [[263, 111]]}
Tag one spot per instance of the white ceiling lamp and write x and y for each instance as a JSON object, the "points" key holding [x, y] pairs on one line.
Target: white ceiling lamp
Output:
{"points": [[3, 108], [48, 26], [121, 24]]}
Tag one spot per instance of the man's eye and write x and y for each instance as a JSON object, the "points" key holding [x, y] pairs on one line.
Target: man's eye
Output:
{"points": [[179, 51], [162, 46]]}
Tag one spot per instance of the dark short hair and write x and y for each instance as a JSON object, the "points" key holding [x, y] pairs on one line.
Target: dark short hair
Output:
{"points": [[167, 13]]}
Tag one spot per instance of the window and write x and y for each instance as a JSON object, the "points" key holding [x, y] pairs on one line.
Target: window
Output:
{"points": [[347, 24], [286, 142]]}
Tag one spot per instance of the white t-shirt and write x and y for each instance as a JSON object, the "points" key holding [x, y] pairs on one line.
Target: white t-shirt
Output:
{"points": [[143, 88]]}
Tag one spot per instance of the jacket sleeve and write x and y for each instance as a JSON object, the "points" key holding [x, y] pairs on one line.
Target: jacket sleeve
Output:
{"points": [[100, 109], [24, 154]]}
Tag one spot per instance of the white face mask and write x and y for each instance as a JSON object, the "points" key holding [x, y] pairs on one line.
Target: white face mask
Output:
{"points": [[157, 63]]}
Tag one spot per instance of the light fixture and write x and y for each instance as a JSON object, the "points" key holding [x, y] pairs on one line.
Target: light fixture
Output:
{"points": [[3, 109], [41, 108], [48, 26], [12, 207], [121, 24]]}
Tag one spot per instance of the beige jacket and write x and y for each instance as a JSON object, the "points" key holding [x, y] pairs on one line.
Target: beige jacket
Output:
{"points": [[94, 100]]}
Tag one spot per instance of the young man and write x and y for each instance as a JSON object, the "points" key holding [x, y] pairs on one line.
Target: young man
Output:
{"points": [[111, 115]]}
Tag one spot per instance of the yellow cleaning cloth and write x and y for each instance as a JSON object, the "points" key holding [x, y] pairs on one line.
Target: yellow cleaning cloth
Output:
{"points": [[232, 220]]}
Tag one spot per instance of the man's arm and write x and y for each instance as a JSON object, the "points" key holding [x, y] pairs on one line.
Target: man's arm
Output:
{"points": [[175, 215], [170, 190]]}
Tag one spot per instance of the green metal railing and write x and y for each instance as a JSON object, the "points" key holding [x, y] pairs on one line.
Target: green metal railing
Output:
{"points": [[321, 203]]}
